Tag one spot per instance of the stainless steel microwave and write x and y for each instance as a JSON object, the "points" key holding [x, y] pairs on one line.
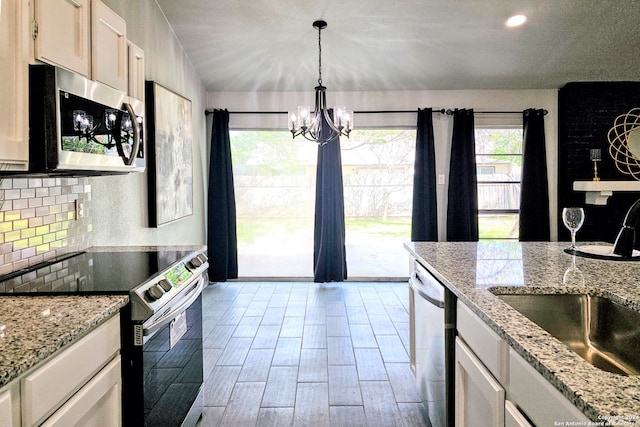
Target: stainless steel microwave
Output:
{"points": [[81, 127]]}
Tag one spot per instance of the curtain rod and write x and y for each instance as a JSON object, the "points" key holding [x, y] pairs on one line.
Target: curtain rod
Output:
{"points": [[448, 112]]}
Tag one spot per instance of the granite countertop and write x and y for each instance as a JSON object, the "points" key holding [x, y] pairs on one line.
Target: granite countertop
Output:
{"points": [[32, 328], [471, 269]]}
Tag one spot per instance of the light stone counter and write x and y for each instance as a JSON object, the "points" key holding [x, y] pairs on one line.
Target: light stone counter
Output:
{"points": [[471, 269], [32, 328]]}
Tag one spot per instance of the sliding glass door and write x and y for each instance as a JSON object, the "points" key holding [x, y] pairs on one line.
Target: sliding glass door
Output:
{"points": [[275, 188]]}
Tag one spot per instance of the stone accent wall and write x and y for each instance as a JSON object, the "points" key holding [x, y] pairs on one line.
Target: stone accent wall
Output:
{"points": [[586, 112], [38, 220]]}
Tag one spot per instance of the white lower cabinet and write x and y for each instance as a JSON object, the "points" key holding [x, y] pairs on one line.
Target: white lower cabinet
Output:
{"points": [[513, 417], [479, 397], [94, 405], [78, 386], [10, 405], [496, 387], [543, 404]]}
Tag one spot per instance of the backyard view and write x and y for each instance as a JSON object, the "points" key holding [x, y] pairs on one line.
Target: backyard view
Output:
{"points": [[275, 195], [274, 178], [499, 170]]}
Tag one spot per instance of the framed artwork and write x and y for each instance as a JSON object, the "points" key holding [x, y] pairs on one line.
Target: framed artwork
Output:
{"points": [[169, 153]]}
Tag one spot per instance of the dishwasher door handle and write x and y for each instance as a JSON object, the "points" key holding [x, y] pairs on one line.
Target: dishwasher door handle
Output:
{"points": [[427, 289]]}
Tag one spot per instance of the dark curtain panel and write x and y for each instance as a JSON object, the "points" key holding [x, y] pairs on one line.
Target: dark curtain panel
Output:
{"points": [[424, 217], [222, 242], [329, 253], [534, 191], [462, 209]]}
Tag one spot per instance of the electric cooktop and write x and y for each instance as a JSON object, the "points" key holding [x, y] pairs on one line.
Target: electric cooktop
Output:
{"points": [[88, 273]]}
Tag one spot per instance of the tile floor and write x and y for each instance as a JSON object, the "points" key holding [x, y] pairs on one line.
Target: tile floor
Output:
{"points": [[304, 354]]}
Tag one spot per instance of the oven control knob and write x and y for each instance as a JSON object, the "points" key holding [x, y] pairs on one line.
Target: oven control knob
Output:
{"points": [[165, 285], [154, 293], [203, 258], [195, 262]]}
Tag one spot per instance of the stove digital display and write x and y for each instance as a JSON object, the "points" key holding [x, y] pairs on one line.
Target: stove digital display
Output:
{"points": [[178, 275]]}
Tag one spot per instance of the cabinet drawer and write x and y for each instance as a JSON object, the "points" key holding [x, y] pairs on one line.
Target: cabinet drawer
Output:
{"points": [[97, 403], [486, 344], [48, 387], [537, 398]]}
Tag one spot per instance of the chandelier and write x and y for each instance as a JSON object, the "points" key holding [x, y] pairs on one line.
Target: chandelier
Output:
{"points": [[310, 124]]}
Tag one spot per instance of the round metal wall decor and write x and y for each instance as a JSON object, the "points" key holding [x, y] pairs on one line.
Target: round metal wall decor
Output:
{"points": [[624, 143]]}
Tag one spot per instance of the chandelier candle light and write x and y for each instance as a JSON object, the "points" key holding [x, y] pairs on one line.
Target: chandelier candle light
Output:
{"points": [[310, 124]]}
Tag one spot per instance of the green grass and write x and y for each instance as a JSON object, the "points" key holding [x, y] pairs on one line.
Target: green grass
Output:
{"points": [[249, 229], [498, 227], [389, 228]]}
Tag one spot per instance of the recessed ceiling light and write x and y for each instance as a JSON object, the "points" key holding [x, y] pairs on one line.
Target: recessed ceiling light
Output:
{"points": [[516, 21]]}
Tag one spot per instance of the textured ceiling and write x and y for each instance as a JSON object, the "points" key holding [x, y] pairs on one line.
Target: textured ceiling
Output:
{"points": [[270, 45]]}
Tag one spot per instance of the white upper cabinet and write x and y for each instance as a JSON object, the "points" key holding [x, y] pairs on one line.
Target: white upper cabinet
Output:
{"points": [[84, 36], [14, 57], [109, 46], [62, 34], [58, 32], [136, 72]]}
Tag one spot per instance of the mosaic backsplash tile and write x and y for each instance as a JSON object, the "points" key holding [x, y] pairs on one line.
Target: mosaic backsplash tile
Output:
{"points": [[39, 219]]}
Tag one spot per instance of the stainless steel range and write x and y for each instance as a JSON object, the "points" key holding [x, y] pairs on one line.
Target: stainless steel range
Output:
{"points": [[161, 328]]}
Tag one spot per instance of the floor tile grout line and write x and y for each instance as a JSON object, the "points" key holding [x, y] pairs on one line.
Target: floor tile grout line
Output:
{"points": [[324, 302]]}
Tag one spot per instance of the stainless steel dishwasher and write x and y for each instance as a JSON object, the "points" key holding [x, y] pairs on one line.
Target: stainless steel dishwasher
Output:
{"points": [[432, 341]]}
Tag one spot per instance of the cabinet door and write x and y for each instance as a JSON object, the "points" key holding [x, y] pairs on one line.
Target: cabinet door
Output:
{"points": [[513, 417], [14, 84], [136, 72], [96, 404], [10, 404], [109, 47], [63, 35], [479, 397]]}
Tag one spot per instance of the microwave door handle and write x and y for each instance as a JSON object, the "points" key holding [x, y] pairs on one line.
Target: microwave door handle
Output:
{"points": [[136, 135]]}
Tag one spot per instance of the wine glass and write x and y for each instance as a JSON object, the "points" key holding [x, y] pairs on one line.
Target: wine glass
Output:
{"points": [[573, 219]]}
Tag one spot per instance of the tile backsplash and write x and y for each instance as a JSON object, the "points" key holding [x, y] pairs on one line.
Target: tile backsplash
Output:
{"points": [[42, 218]]}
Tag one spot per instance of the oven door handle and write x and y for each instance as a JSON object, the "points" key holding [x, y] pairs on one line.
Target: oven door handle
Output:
{"points": [[175, 312]]}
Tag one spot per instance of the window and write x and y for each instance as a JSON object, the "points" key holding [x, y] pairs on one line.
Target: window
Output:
{"points": [[274, 177], [499, 168]]}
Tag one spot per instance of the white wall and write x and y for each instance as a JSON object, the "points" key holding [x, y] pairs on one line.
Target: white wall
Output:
{"points": [[479, 100], [119, 208]]}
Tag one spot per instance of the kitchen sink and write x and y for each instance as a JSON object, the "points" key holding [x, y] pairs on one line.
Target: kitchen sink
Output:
{"points": [[603, 332]]}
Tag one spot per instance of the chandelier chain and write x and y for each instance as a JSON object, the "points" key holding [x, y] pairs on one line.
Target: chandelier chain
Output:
{"points": [[320, 56], [319, 125]]}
